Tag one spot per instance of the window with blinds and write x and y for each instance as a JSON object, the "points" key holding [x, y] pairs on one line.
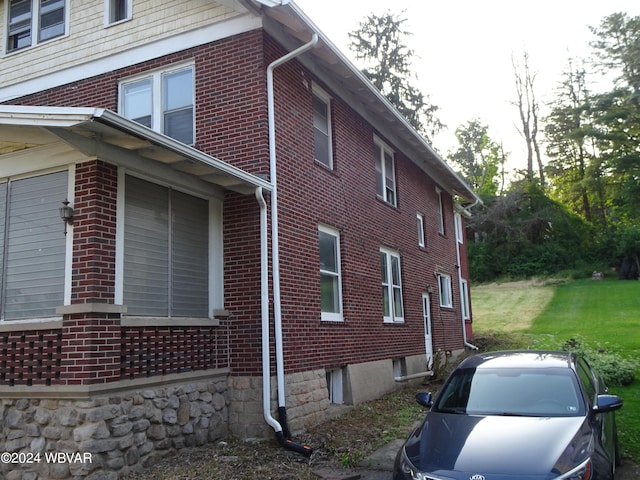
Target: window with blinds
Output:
{"points": [[166, 251], [32, 246]]}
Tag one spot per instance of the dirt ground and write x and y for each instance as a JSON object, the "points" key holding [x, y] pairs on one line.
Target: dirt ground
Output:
{"points": [[338, 445]]}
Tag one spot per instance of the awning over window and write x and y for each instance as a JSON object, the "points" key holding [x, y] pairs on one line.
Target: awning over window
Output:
{"points": [[103, 134]]}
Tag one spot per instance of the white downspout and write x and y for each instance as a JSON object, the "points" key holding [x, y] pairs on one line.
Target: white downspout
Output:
{"points": [[264, 306], [460, 289], [275, 247]]}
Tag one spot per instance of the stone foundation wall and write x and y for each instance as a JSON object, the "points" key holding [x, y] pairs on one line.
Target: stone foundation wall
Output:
{"points": [[307, 402], [107, 437]]}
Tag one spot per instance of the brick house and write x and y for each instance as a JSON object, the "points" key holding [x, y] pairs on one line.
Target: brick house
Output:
{"points": [[191, 291]]}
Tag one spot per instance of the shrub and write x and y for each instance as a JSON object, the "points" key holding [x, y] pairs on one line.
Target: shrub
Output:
{"points": [[612, 366]]}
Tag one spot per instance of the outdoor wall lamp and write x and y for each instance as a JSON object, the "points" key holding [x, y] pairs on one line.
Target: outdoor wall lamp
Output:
{"points": [[66, 214]]}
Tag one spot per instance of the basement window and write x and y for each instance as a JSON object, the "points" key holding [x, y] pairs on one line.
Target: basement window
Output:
{"points": [[335, 386]]}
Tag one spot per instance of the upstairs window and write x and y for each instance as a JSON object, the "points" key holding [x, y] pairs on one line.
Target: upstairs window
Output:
{"points": [[34, 21], [322, 128], [440, 212], [420, 218], [459, 230], [163, 101], [117, 11], [385, 173]]}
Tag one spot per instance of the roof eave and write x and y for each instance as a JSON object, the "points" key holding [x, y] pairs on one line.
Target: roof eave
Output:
{"points": [[441, 171], [76, 122]]}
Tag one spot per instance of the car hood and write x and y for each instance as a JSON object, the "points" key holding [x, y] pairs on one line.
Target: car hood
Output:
{"points": [[530, 447]]}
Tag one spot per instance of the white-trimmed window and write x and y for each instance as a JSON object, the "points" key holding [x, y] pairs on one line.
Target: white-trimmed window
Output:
{"points": [[391, 286], [464, 295], [117, 11], [420, 221], [30, 22], [323, 148], [166, 251], [32, 246], [162, 100], [459, 230], [440, 212], [444, 290], [330, 280], [385, 172]]}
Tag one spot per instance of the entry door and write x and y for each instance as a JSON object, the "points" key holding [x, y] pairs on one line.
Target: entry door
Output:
{"points": [[426, 308]]}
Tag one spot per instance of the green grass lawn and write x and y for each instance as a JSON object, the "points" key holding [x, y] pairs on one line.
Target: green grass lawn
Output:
{"points": [[602, 314]]}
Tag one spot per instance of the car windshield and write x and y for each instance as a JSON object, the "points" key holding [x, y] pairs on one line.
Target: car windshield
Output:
{"points": [[548, 392]]}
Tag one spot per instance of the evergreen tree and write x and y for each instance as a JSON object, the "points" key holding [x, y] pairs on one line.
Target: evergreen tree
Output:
{"points": [[379, 43]]}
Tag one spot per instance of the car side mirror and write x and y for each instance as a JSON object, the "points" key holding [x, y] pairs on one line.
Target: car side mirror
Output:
{"points": [[607, 403], [424, 399]]}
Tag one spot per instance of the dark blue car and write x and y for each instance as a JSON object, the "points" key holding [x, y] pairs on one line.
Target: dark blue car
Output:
{"points": [[526, 415]]}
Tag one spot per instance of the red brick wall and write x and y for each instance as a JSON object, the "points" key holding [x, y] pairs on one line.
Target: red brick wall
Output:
{"points": [[30, 358], [232, 125], [231, 107], [151, 351], [94, 232], [345, 198]]}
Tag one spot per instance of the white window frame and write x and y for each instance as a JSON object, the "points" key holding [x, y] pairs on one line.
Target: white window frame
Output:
{"points": [[389, 288], [441, 229], [110, 10], [68, 243], [388, 193], [459, 231], [34, 27], [157, 111], [464, 299], [319, 94], [216, 247], [333, 316], [445, 293], [421, 233]]}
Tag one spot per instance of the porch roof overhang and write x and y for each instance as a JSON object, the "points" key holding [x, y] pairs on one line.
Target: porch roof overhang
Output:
{"points": [[93, 131], [289, 25]]}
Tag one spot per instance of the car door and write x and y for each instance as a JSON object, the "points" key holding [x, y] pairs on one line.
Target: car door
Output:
{"points": [[603, 424]]}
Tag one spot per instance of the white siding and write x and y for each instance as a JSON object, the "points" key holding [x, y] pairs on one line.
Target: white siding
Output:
{"points": [[89, 40]]}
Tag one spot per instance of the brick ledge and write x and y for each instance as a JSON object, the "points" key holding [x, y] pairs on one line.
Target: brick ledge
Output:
{"points": [[85, 392]]}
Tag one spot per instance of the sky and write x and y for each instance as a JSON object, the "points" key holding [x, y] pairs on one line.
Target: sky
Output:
{"points": [[464, 49]]}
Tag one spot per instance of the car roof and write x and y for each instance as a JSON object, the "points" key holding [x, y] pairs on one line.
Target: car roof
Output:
{"points": [[521, 359]]}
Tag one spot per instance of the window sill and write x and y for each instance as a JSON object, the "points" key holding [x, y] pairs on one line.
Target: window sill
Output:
{"points": [[118, 22], [388, 204], [169, 322], [30, 325], [324, 166], [332, 320]]}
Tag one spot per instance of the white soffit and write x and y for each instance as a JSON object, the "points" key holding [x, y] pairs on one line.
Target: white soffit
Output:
{"points": [[97, 131]]}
